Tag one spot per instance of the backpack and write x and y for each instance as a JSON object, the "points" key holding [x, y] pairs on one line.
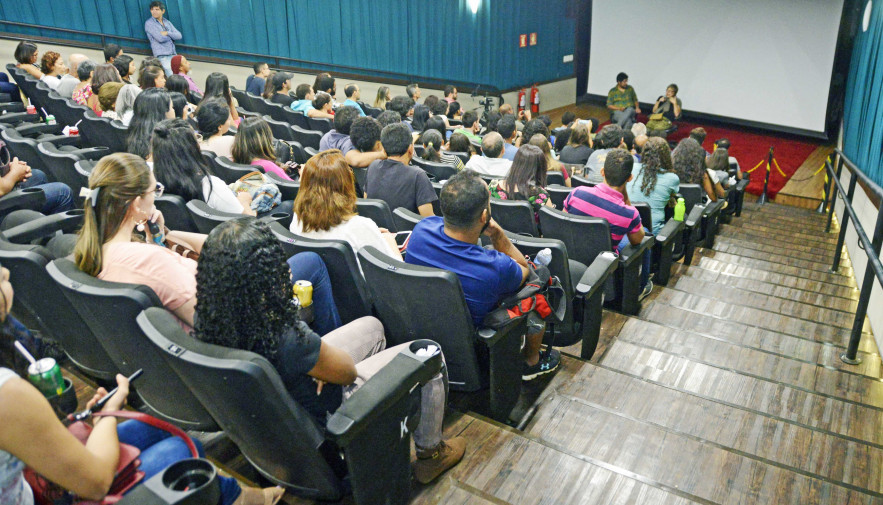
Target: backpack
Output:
{"points": [[541, 294]]}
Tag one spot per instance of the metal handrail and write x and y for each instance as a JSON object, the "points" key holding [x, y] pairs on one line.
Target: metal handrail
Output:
{"points": [[870, 246]]}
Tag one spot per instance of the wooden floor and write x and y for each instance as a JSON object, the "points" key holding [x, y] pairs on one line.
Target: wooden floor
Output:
{"points": [[726, 388]]}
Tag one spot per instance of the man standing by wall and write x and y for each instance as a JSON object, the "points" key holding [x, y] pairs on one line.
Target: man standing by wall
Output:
{"points": [[162, 34], [623, 102]]}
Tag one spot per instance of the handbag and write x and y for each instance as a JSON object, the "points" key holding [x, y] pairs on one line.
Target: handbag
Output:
{"points": [[656, 117], [127, 474], [541, 294], [264, 194]]}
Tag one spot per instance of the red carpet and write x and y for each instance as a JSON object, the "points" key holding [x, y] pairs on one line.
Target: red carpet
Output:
{"points": [[750, 148]]}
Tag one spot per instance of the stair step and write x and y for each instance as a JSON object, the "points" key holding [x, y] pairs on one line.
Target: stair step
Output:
{"points": [[781, 260], [796, 235], [734, 246], [839, 279], [783, 227]]}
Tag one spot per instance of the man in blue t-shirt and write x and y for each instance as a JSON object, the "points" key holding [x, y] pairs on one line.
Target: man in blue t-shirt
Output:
{"points": [[485, 275]]}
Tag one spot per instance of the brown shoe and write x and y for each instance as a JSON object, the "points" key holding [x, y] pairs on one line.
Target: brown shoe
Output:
{"points": [[433, 462]]}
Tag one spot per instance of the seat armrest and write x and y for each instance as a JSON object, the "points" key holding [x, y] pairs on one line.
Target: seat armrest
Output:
{"points": [[65, 222], [596, 275], [92, 153], [39, 128], [28, 198], [632, 253], [388, 386], [10, 107], [741, 185], [694, 216], [64, 140], [669, 232], [713, 208], [19, 117], [490, 337]]}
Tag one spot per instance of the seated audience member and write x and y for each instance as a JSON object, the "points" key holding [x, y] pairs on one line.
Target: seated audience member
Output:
{"points": [[181, 66], [421, 115], [454, 110], [53, 67], [486, 275], [526, 180], [152, 77], [101, 75], [26, 59], [562, 137], [491, 162], [180, 166], [609, 138], [177, 84], [610, 200], [413, 91], [724, 143], [277, 88], [440, 111], [69, 81], [83, 91], [325, 83], [718, 166], [533, 127], [521, 118], [470, 127], [654, 180], [323, 104], [255, 84], [253, 145], [383, 96], [339, 138], [112, 52], [459, 143], [107, 99], [125, 65], [125, 105], [450, 94], [388, 117], [506, 129], [640, 142], [404, 106], [430, 101], [306, 103], [325, 207], [17, 174], [217, 86], [699, 134], [151, 106], [433, 145], [579, 146], [182, 107], [567, 119], [213, 120], [394, 180], [628, 141], [30, 425], [319, 373], [688, 160], [150, 61], [436, 123], [365, 135], [553, 165], [639, 129], [352, 97], [622, 101], [669, 105]]}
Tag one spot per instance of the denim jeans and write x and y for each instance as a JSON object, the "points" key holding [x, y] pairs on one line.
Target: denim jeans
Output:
{"points": [[309, 266], [166, 63], [624, 118], [647, 259], [8, 87], [159, 449], [58, 194]]}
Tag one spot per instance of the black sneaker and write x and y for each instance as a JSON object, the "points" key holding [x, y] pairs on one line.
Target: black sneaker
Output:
{"points": [[548, 362], [646, 291]]}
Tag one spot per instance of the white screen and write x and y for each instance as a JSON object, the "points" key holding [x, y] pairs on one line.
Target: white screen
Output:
{"points": [[768, 61]]}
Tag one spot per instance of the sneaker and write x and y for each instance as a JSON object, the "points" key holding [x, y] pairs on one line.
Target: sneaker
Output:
{"points": [[548, 362], [647, 290], [433, 462]]}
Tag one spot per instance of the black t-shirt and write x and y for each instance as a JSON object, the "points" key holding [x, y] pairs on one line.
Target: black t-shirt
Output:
{"points": [[399, 185], [298, 354], [284, 100], [575, 155]]}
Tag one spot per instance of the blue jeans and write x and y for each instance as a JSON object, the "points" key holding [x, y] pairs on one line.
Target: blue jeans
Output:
{"points": [[58, 194], [647, 259], [624, 118], [309, 266], [166, 63], [159, 449], [9, 88]]}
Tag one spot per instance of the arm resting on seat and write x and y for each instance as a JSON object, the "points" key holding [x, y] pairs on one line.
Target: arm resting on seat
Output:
{"points": [[29, 198], [632, 253], [65, 222], [394, 381], [669, 232], [596, 275]]}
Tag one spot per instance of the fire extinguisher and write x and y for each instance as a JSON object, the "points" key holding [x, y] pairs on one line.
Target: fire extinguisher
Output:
{"points": [[534, 99], [521, 100]]}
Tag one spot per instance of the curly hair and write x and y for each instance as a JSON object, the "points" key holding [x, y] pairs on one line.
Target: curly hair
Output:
{"points": [[656, 158], [47, 63], [249, 311], [688, 160]]}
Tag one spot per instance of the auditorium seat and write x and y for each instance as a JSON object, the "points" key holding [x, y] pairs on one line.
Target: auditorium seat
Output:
{"points": [[365, 449], [670, 236], [281, 130], [515, 216], [99, 131], [320, 124], [438, 171], [288, 189], [405, 220], [206, 218], [110, 309], [428, 303], [555, 178], [350, 290], [576, 180], [311, 151], [692, 194], [307, 138], [175, 213], [377, 211], [557, 194], [22, 199], [61, 166], [229, 171], [586, 237]]}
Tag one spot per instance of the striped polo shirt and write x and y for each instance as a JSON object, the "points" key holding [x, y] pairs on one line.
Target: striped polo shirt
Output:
{"points": [[604, 201]]}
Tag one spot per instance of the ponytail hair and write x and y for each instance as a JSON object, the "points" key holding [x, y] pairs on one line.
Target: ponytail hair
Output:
{"points": [[432, 144], [118, 178]]}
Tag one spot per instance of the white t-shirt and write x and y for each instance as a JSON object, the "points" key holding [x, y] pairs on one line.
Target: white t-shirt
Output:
{"points": [[222, 197], [497, 168], [357, 231], [51, 81], [13, 488], [222, 146]]}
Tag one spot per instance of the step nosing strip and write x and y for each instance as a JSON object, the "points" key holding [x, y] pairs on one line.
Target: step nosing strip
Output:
{"points": [[773, 283]]}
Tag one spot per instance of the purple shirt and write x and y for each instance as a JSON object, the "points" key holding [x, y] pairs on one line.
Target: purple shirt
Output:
{"points": [[334, 140], [604, 201], [193, 86]]}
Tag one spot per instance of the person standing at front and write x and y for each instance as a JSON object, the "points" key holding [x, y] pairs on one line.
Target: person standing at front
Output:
{"points": [[162, 35]]}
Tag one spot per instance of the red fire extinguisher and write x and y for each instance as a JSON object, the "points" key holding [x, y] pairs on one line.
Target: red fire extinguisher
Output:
{"points": [[521, 100], [534, 99]]}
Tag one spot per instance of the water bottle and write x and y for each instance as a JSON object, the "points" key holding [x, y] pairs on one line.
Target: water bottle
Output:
{"points": [[544, 257], [680, 209]]}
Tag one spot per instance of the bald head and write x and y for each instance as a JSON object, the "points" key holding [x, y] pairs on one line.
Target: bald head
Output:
{"points": [[640, 140], [74, 61], [492, 145]]}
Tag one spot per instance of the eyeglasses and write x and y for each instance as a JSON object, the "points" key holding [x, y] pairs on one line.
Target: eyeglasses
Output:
{"points": [[158, 191]]}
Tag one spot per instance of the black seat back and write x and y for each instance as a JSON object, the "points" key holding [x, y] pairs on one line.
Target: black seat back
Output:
{"points": [[577, 180], [61, 167], [514, 216], [555, 178], [288, 189], [23, 148], [307, 138], [692, 194], [110, 309], [281, 130], [99, 131], [230, 171], [206, 218], [585, 237], [175, 213], [410, 301], [646, 215], [320, 124], [557, 194], [351, 294], [377, 211], [405, 219], [438, 171]]}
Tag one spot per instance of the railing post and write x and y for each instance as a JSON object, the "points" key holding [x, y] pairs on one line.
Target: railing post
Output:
{"points": [[851, 356], [834, 194], [842, 236], [826, 188]]}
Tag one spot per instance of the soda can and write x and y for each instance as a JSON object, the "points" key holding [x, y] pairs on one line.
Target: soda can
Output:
{"points": [[303, 290], [45, 375]]}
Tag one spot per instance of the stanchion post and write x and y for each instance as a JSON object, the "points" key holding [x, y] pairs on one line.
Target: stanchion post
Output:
{"points": [[833, 194], [766, 182]]}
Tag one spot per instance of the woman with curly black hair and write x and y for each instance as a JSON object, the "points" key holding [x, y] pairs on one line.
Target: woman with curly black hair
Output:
{"points": [[688, 160], [254, 312], [654, 181]]}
